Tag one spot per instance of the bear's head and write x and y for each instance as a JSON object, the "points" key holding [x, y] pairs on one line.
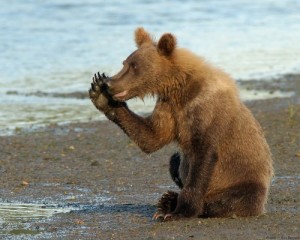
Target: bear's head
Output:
{"points": [[145, 70]]}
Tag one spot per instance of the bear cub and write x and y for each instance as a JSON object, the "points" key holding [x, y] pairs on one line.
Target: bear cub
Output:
{"points": [[223, 166]]}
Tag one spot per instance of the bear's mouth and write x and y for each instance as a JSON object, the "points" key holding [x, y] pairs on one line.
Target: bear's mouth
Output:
{"points": [[121, 95]]}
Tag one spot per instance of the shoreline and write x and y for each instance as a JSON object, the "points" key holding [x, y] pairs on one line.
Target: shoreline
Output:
{"points": [[113, 187], [285, 87], [268, 84]]}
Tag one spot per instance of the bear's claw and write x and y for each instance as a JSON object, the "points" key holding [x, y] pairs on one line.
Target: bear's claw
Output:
{"points": [[158, 216], [98, 85], [100, 95], [165, 206], [99, 78], [167, 202]]}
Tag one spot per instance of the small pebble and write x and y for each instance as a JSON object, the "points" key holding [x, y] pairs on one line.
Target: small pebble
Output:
{"points": [[24, 183], [95, 163]]}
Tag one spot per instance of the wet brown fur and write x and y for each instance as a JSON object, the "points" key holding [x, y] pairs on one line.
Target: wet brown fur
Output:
{"points": [[225, 165]]}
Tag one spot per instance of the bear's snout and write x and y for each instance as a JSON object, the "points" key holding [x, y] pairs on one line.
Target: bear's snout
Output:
{"points": [[117, 90]]}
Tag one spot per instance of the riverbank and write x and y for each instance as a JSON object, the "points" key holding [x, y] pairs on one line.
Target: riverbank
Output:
{"points": [[111, 187]]}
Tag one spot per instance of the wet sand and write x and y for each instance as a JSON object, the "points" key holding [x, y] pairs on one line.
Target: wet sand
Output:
{"points": [[111, 187]]}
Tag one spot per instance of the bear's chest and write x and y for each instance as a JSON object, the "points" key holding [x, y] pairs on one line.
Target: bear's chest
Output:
{"points": [[184, 129], [189, 126]]}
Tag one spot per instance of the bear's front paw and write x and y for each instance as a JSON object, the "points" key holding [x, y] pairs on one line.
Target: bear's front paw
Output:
{"points": [[166, 205], [98, 92]]}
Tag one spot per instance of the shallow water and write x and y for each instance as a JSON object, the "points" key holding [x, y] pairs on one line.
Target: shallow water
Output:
{"points": [[16, 218], [23, 218], [56, 46], [14, 212]]}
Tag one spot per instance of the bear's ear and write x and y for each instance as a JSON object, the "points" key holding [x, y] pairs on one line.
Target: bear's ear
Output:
{"points": [[141, 36], [166, 44]]}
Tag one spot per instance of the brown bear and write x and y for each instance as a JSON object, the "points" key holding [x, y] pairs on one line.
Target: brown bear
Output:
{"points": [[224, 167]]}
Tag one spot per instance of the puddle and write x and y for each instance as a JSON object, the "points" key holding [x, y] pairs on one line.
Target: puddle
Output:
{"points": [[22, 219], [15, 218], [21, 211]]}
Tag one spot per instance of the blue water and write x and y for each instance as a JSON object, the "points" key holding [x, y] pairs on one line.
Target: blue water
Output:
{"points": [[56, 46]]}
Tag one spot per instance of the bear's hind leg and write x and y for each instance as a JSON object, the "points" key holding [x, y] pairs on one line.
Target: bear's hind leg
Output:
{"points": [[174, 169], [243, 200], [168, 200]]}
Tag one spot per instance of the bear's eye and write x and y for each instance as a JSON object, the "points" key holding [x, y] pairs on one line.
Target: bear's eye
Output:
{"points": [[133, 65]]}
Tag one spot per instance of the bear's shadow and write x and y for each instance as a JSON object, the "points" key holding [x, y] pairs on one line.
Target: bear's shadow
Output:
{"points": [[145, 210]]}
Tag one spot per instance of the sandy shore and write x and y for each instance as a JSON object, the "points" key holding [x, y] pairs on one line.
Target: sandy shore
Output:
{"points": [[112, 187]]}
